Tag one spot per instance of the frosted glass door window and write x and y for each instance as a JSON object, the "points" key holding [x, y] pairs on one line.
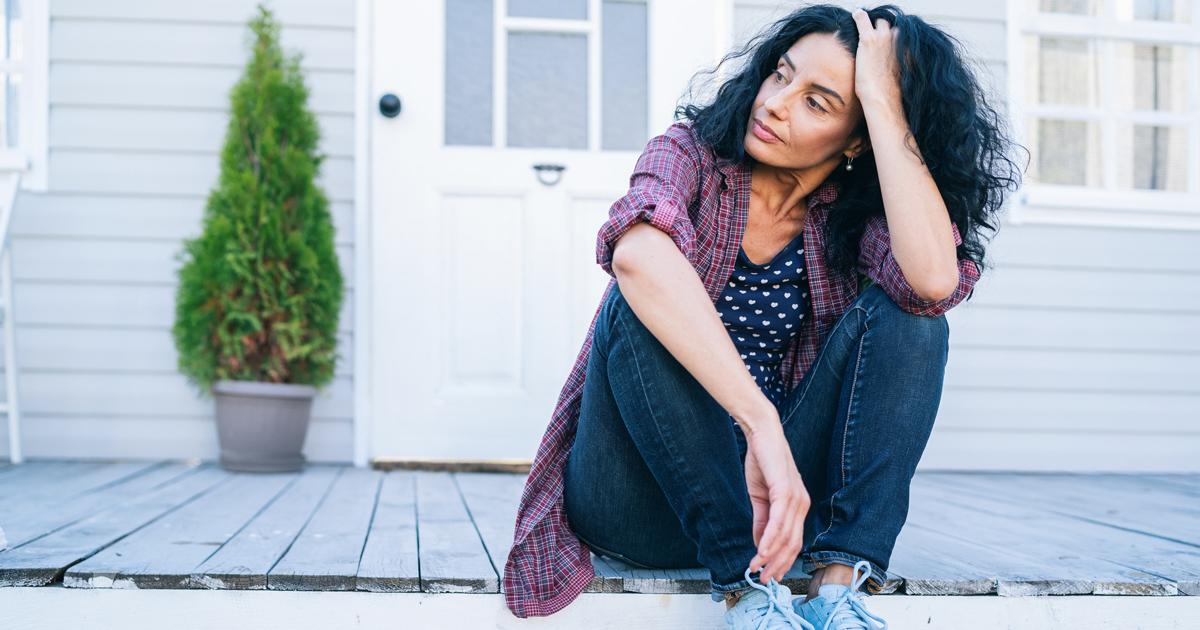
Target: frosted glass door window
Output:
{"points": [[468, 110], [624, 83], [556, 9], [547, 90], [10, 86], [547, 74]]}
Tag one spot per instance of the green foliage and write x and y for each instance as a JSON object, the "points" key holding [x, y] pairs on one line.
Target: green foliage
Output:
{"points": [[260, 289]]}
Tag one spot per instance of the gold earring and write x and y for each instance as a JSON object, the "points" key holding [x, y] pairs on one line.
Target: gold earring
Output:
{"points": [[849, 161]]}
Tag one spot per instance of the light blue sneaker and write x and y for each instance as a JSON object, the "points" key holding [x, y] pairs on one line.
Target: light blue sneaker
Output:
{"points": [[837, 607], [767, 607]]}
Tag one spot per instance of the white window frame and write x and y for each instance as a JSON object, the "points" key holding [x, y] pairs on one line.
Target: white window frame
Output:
{"points": [[1107, 205], [30, 154]]}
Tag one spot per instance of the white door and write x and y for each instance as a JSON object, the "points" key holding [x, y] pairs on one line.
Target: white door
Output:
{"points": [[483, 278]]}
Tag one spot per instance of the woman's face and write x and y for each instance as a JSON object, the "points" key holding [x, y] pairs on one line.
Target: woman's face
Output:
{"points": [[806, 111]]}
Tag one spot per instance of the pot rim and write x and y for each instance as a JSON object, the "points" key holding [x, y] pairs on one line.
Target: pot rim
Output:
{"points": [[264, 390]]}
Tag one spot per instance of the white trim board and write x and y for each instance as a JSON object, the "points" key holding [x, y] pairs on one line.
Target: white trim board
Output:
{"points": [[55, 607]]}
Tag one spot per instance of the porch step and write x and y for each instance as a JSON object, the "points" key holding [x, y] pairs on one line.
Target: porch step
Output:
{"points": [[57, 607]]}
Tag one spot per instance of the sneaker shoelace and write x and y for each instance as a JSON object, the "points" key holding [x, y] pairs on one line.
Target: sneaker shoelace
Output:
{"points": [[782, 606], [849, 610]]}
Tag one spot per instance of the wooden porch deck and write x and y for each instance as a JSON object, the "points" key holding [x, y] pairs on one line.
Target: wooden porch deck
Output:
{"points": [[178, 525]]}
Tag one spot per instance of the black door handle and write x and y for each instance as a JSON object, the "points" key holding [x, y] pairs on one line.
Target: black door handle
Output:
{"points": [[389, 105]]}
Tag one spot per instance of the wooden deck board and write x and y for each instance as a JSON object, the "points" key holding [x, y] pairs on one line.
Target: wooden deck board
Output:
{"points": [[492, 501], [453, 558], [165, 553], [40, 561], [389, 561], [167, 525], [25, 523], [1033, 537], [1134, 557], [325, 555], [245, 559]]}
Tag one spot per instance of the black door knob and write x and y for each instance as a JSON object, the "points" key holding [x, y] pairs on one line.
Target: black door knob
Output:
{"points": [[389, 105]]}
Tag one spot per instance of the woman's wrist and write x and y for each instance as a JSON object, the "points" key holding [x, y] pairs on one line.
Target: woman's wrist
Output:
{"points": [[757, 417]]}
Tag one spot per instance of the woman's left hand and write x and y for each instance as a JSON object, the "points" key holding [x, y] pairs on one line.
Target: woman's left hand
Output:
{"points": [[876, 73]]}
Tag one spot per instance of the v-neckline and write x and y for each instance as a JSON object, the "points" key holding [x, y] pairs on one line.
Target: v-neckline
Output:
{"points": [[786, 248]]}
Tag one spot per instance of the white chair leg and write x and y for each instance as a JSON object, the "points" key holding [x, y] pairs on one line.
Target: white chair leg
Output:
{"points": [[10, 357]]}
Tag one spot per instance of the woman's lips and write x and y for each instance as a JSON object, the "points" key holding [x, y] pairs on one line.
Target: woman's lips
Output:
{"points": [[764, 134]]}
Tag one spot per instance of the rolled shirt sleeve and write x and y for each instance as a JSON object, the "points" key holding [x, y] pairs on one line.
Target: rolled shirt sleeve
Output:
{"points": [[878, 263], [663, 185]]}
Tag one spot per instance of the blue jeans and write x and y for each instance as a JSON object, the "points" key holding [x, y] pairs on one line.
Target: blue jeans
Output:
{"points": [[656, 477]]}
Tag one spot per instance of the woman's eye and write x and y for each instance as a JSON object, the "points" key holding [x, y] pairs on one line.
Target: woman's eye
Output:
{"points": [[779, 76], [814, 103]]}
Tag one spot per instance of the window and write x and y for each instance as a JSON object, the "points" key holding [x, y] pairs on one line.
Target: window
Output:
{"points": [[1105, 95], [547, 73], [23, 106]]}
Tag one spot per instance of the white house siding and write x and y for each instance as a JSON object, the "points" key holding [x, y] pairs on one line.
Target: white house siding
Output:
{"points": [[1079, 349], [138, 94]]}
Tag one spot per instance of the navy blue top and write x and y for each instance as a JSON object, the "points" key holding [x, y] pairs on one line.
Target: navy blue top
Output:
{"points": [[762, 307]]}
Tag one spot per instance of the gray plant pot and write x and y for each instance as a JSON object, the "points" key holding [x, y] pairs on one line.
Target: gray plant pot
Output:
{"points": [[261, 426]]}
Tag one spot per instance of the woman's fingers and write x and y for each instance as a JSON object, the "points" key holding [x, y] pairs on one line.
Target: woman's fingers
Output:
{"points": [[863, 21]]}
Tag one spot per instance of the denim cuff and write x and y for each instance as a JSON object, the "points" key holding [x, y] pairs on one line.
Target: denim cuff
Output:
{"points": [[722, 592], [820, 559]]}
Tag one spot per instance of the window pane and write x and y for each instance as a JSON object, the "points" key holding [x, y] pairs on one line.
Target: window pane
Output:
{"points": [[1064, 152], [12, 30], [1152, 158], [547, 90], [1079, 7], [1158, 10], [1063, 71], [559, 9], [468, 108], [624, 99], [1152, 77]]}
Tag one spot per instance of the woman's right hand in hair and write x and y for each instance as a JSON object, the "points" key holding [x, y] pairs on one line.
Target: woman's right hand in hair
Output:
{"points": [[778, 498]]}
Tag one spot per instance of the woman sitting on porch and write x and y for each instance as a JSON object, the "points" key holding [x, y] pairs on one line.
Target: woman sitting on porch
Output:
{"points": [[740, 370]]}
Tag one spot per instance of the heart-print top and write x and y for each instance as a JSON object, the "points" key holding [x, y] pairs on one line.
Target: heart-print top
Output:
{"points": [[762, 307]]}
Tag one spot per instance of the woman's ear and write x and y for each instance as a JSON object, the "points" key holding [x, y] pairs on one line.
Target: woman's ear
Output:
{"points": [[858, 146]]}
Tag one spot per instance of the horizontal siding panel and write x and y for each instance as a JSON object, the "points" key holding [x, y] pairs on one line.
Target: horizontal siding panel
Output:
{"points": [[114, 216], [204, 44], [151, 438], [113, 260], [169, 130], [1081, 412], [190, 87], [117, 306], [1041, 370], [943, 9], [107, 350], [982, 40], [1089, 289], [149, 395], [165, 174], [1097, 247], [323, 13], [978, 324], [1068, 451]]}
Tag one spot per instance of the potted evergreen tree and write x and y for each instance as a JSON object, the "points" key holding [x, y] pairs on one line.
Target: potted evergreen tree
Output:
{"points": [[260, 289]]}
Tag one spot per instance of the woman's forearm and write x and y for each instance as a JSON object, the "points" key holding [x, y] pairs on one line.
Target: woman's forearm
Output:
{"points": [[918, 223], [663, 290]]}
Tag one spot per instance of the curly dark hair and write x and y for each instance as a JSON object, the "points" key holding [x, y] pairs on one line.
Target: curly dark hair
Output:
{"points": [[964, 142]]}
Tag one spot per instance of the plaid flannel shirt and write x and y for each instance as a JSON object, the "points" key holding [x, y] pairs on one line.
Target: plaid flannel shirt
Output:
{"points": [[678, 187]]}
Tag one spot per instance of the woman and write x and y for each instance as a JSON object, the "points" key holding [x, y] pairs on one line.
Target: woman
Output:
{"points": [[774, 338]]}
